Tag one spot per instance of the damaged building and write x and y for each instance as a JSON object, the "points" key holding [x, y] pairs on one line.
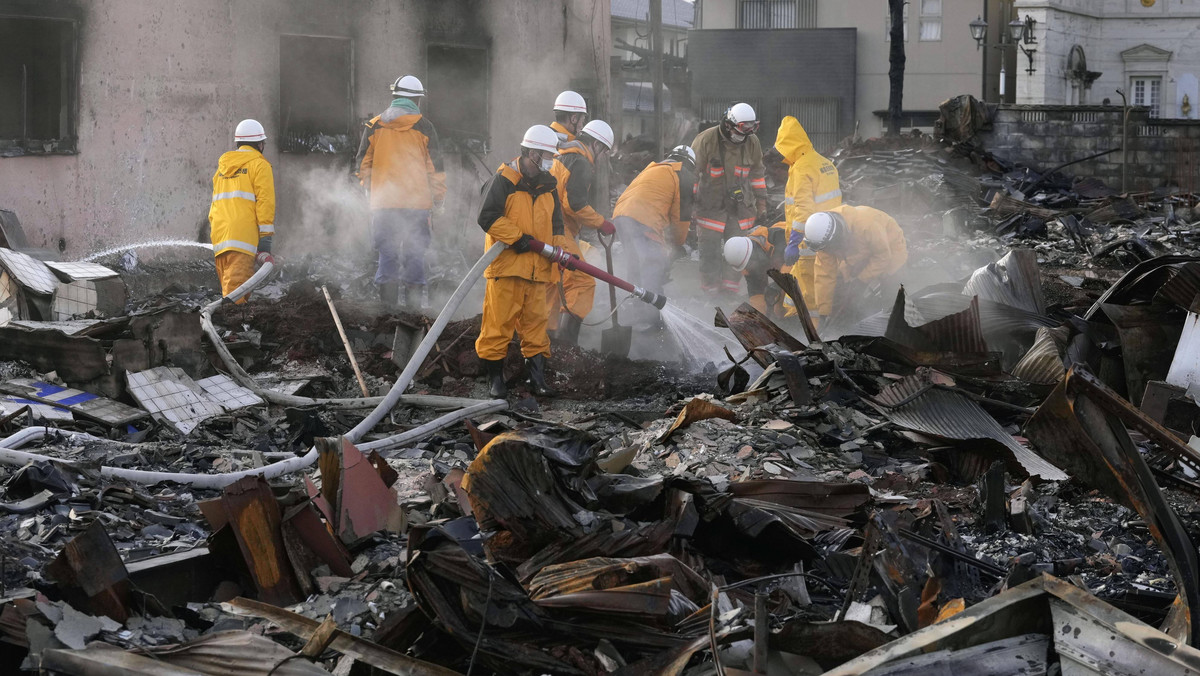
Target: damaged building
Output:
{"points": [[113, 113]]}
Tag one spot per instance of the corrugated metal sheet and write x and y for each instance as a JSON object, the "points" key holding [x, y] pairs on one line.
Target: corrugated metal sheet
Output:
{"points": [[946, 414], [1183, 287], [1143, 280], [1013, 280], [1043, 364]]}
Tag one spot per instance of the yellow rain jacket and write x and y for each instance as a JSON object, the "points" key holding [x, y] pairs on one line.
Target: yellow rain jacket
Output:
{"points": [[876, 248], [812, 183], [243, 202], [402, 164], [513, 206], [660, 198], [574, 172]]}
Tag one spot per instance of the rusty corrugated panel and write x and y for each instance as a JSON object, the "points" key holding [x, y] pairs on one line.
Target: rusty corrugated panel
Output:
{"points": [[249, 508], [1013, 280], [834, 499], [949, 415], [648, 600], [91, 564], [753, 329], [1043, 364], [1141, 282], [365, 505], [1182, 288], [601, 573]]}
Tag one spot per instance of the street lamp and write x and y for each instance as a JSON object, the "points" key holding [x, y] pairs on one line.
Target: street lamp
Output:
{"points": [[1020, 33], [978, 31]]}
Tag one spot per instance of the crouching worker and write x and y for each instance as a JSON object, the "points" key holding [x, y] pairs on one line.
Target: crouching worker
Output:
{"points": [[859, 251], [242, 214], [652, 218], [520, 203], [753, 255]]}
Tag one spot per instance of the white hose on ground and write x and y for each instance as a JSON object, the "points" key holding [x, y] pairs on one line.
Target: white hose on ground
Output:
{"points": [[10, 455], [428, 400]]}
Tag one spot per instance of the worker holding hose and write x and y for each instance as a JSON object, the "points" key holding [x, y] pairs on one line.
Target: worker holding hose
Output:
{"points": [[520, 204], [242, 214], [652, 218], [573, 292]]}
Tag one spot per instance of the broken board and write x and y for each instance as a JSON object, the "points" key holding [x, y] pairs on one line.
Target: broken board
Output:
{"points": [[83, 404]]}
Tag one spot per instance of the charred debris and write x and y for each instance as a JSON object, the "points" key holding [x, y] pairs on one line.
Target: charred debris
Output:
{"points": [[990, 476]]}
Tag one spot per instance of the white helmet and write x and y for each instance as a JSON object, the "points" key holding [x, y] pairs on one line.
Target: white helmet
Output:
{"points": [[570, 102], [682, 153], [820, 229], [249, 130], [599, 130], [738, 251], [540, 137], [407, 85], [740, 121], [740, 113]]}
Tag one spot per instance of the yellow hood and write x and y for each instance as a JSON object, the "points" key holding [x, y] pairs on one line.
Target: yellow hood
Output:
{"points": [[234, 160], [792, 141]]}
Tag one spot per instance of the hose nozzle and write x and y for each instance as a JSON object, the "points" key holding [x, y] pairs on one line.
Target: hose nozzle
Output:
{"points": [[656, 299]]}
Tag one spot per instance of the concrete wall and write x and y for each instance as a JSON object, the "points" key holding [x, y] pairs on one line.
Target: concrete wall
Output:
{"points": [[162, 85], [1105, 29], [1160, 152]]}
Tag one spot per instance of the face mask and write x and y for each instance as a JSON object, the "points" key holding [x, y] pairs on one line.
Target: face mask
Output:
{"points": [[547, 163], [736, 137]]}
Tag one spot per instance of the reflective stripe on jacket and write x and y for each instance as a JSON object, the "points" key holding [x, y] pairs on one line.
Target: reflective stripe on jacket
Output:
{"points": [[724, 166], [876, 247], [660, 198], [401, 163], [243, 202], [574, 172], [513, 206]]}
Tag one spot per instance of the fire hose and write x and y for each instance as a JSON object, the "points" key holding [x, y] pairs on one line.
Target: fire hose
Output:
{"points": [[569, 261]]}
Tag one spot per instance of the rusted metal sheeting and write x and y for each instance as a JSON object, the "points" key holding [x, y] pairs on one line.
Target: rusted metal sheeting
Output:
{"points": [[791, 287], [1148, 340], [1013, 280], [1088, 635], [1182, 288], [647, 600], [91, 564], [959, 332], [833, 499], [377, 656], [949, 415], [249, 509], [1143, 281], [695, 410], [365, 504], [753, 329], [1043, 363], [604, 573], [1086, 420]]}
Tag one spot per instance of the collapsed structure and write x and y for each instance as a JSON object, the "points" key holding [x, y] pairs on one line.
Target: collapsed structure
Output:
{"points": [[994, 474]]}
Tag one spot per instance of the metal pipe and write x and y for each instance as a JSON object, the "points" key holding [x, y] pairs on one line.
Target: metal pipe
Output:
{"points": [[570, 262]]}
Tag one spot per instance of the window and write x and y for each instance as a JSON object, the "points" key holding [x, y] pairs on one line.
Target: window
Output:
{"points": [[459, 111], [931, 20], [38, 67], [767, 14], [1147, 91], [887, 27], [316, 85]]}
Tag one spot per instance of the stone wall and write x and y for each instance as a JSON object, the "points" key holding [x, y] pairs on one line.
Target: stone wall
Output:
{"points": [[1159, 152]]}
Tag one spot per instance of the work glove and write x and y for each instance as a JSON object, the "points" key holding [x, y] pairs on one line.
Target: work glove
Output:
{"points": [[792, 253], [607, 228], [522, 244], [264, 257]]}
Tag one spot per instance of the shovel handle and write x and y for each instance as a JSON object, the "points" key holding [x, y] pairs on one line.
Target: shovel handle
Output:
{"points": [[606, 241]]}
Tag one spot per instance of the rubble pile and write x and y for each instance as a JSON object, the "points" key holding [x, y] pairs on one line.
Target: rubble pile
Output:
{"points": [[992, 475]]}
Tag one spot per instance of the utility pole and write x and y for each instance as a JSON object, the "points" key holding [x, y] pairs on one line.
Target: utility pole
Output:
{"points": [[896, 69], [656, 72]]}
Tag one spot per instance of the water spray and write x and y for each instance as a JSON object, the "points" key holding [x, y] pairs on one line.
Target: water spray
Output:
{"points": [[568, 261]]}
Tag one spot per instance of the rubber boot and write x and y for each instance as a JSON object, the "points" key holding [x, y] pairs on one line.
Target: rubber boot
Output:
{"points": [[404, 293], [537, 376], [388, 293], [494, 369], [568, 329]]}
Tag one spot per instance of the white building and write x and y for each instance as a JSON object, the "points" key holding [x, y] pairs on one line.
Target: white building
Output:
{"points": [[1147, 48]]}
